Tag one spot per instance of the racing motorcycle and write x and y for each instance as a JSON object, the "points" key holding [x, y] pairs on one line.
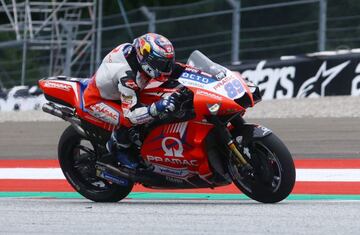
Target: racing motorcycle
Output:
{"points": [[205, 143]]}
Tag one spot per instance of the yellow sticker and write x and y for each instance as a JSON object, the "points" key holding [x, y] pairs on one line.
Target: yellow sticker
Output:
{"points": [[146, 48]]}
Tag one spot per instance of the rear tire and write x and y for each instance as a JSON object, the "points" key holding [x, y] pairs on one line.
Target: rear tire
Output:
{"points": [[274, 170], [79, 169]]}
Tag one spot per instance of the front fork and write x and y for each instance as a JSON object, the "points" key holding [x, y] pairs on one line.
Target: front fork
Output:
{"points": [[226, 136]]}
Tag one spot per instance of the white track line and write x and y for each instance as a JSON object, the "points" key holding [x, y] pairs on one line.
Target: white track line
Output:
{"points": [[31, 173], [317, 175], [328, 175]]}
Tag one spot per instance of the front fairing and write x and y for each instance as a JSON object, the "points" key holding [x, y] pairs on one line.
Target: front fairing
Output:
{"points": [[214, 85]]}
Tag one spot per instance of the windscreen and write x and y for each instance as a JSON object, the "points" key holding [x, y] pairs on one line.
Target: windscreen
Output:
{"points": [[202, 62]]}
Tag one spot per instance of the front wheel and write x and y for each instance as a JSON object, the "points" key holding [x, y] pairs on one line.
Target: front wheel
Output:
{"points": [[77, 161], [273, 175]]}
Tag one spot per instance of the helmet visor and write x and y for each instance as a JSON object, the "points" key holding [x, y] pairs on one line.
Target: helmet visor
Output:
{"points": [[163, 65]]}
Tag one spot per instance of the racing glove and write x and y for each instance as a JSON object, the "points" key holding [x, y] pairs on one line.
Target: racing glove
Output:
{"points": [[166, 105]]}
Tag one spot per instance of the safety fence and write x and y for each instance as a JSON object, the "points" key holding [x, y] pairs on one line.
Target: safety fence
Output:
{"points": [[313, 75], [228, 31]]}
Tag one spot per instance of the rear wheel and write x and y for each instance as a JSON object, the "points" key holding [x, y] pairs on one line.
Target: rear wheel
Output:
{"points": [[77, 160], [273, 175]]}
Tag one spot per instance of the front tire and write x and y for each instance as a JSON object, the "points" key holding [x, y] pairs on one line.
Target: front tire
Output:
{"points": [[273, 176], [77, 161]]}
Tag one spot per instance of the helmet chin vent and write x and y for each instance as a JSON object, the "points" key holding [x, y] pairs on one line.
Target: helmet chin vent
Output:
{"points": [[150, 71]]}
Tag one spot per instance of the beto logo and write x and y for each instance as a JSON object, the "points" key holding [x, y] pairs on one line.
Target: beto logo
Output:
{"points": [[171, 151], [197, 78]]}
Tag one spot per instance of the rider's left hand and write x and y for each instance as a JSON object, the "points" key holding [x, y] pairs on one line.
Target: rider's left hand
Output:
{"points": [[165, 105]]}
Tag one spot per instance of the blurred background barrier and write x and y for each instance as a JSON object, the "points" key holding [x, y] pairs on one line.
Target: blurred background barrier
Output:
{"points": [[60, 37], [311, 75]]}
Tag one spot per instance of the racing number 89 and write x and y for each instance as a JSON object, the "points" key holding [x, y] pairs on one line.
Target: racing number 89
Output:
{"points": [[233, 88]]}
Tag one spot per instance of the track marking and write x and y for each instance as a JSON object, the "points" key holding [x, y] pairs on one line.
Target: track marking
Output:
{"points": [[314, 176], [299, 163], [302, 175], [31, 173], [175, 196], [328, 175], [327, 163]]}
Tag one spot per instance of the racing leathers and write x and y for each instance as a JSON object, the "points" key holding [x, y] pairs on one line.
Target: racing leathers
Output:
{"points": [[120, 78]]}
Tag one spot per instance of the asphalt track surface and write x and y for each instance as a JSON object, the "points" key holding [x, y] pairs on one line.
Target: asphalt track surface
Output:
{"points": [[76, 216], [306, 138]]}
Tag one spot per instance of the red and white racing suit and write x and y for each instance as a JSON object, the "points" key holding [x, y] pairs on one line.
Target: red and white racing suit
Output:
{"points": [[119, 77]]}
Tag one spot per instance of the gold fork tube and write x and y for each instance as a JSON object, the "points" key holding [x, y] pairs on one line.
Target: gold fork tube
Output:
{"points": [[237, 153]]}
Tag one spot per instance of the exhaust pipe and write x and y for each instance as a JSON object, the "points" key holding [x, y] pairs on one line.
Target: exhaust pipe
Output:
{"points": [[53, 110], [123, 172], [66, 114]]}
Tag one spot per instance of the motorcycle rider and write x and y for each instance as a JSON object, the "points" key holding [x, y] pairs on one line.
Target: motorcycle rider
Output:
{"points": [[123, 74]]}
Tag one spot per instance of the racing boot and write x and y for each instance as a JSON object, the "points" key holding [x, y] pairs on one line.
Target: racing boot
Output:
{"points": [[119, 145], [134, 136]]}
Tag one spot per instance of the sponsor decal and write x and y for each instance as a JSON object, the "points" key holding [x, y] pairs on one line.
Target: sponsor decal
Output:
{"points": [[90, 117], [232, 86], [174, 180], [162, 41], [144, 46], [272, 82], [214, 108], [113, 178], [197, 77], [206, 74], [315, 86], [310, 77], [176, 128], [221, 75], [265, 130], [208, 94], [192, 70], [191, 83], [105, 113], [126, 99], [165, 45], [171, 171], [175, 161], [172, 151], [168, 49], [355, 84], [109, 58], [58, 85], [222, 82], [131, 84]]}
